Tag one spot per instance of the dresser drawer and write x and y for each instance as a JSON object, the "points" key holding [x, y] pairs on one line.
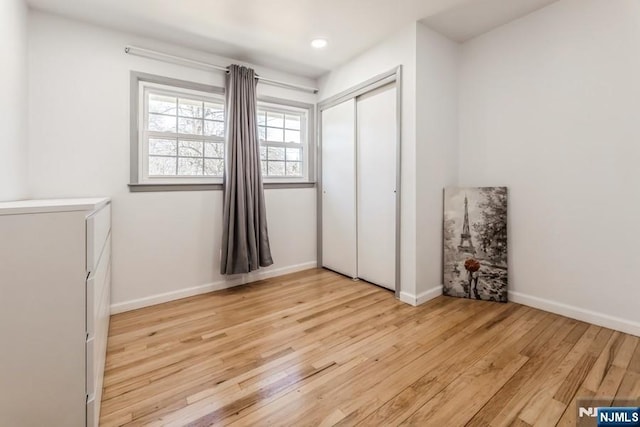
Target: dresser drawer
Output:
{"points": [[97, 283], [98, 228], [92, 412], [91, 370]]}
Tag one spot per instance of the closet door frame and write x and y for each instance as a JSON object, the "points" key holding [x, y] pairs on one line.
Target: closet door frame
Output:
{"points": [[391, 76]]}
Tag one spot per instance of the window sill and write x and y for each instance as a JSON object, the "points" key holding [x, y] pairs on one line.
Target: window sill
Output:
{"points": [[142, 188]]}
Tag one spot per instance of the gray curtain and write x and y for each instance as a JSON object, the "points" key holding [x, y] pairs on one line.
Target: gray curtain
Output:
{"points": [[245, 240]]}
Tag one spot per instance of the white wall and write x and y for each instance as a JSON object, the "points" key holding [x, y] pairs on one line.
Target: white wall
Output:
{"points": [[400, 49], [164, 244], [13, 102], [550, 107], [436, 149]]}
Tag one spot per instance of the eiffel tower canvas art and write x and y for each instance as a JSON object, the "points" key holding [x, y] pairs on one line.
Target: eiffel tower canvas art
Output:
{"points": [[466, 245], [475, 243]]}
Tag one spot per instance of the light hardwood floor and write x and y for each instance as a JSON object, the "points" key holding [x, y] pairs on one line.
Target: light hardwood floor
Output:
{"points": [[315, 348]]}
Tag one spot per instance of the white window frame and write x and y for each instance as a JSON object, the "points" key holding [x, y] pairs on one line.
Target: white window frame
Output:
{"points": [[141, 182], [144, 87], [305, 132]]}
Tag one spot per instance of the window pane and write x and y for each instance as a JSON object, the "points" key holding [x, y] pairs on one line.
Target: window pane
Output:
{"points": [[162, 166], [293, 154], [213, 128], [292, 122], [263, 153], [275, 120], [262, 121], [213, 167], [191, 166], [276, 153], [275, 135], [292, 136], [264, 168], [276, 168], [190, 148], [162, 123], [262, 133], [214, 149], [213, 111], [162, 104], [294, 169], [165, 147], [190, 126], [190, 108]]}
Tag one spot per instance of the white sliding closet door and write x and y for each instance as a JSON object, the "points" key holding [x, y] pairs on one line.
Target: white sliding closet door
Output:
{"points": [[339, 189], [376, 186]]}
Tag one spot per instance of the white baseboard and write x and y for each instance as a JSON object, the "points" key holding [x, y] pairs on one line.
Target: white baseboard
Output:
{"points": [[577, 313], [423, 297], [209, 287], [429, 295], [408, 298]]}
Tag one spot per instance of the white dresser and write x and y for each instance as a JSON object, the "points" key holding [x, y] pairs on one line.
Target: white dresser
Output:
{"points": [[55, 275]]}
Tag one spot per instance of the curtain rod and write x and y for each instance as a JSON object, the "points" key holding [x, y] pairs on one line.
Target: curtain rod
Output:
{"points": [[161, 56]]}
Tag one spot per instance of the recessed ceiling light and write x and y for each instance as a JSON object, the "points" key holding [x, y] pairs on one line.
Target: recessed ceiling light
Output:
{"points": [[319, 43]]}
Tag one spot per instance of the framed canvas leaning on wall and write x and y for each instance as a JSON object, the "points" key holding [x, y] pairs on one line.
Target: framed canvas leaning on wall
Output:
{"points": [[475, 243]]}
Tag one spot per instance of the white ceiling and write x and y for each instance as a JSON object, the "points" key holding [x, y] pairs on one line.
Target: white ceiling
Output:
{"points": [[277, 33], [469, 20]]}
